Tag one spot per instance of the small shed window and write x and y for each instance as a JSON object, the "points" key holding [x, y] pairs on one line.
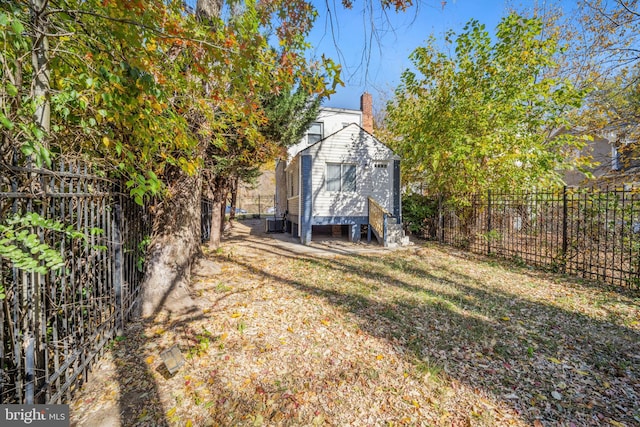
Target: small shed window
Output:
{"points": [[341, 177], [315, 132]]}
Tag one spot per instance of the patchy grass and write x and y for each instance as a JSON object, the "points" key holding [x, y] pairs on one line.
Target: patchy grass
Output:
{"points": [[417, 337]]}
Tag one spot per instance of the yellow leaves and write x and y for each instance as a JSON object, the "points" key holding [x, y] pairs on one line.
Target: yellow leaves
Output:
{"points": [[258, 420], [157, 107], [106, 141], [379, 357], [554, 360], [290, 329], [236, 315], [144, 415], [149, 360], [191, 168], [505, 318], [119, 87], [325, 322]]}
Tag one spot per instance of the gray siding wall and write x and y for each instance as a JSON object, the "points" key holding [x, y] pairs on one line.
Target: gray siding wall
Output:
{"points": [[353, 146], [306, 200], [292, 189], [396, 190]]}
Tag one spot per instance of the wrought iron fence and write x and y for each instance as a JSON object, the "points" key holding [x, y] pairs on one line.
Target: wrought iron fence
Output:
{"points": [[53, 326], [588, 232]]}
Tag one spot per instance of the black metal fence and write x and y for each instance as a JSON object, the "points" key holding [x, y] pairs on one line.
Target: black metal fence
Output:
{"points": [[54, 325], [589, 232]]}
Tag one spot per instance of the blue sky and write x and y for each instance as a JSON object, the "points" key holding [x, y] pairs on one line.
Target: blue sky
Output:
{"points": [[399, 34]]}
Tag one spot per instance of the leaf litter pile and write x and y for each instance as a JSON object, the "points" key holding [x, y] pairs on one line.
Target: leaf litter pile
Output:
{"points": [[419, 336]]}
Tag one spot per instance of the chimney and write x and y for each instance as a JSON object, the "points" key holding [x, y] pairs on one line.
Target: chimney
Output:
{"points": [[366, 106]]}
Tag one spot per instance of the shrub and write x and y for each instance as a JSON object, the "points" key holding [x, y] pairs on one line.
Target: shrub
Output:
{"points": [[420, 215]]}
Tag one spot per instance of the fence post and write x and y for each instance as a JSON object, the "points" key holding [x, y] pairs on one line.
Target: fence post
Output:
{"points": [[488, 222], [440, 220], [30, 369], [564, 228], [118, 272]]}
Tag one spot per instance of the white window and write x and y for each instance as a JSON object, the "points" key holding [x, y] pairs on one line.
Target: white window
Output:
{"points": [[341, 177], [315, 132]]}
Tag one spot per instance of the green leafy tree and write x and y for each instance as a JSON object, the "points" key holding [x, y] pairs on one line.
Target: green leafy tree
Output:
{"points": [[288, 115], [157, 95], [485, 117], [600, 53]]}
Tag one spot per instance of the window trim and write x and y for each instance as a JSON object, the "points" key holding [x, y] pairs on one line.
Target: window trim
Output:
{"points": [[342, 177], [309, 133]]}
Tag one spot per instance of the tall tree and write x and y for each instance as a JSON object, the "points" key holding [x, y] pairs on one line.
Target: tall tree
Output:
{"points": [[150, 91], [600, 52], [609, 44], [486, 117]]}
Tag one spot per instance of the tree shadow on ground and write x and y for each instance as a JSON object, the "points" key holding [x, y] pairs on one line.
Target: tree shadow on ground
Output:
{"points": [[139, 367], [139, 399], [543, 360]]}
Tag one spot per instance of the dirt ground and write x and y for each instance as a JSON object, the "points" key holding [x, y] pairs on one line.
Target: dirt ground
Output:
{"points": [[99, 402], [342, 334]]}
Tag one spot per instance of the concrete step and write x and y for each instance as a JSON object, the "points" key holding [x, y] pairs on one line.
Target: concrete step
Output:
{"points": [[395, 236]]}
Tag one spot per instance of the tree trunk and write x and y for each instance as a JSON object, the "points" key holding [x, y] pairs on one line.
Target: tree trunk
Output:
{"points": [[234, 199], [40, 62], [218, 211], [174, 244], [176, 230]]}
